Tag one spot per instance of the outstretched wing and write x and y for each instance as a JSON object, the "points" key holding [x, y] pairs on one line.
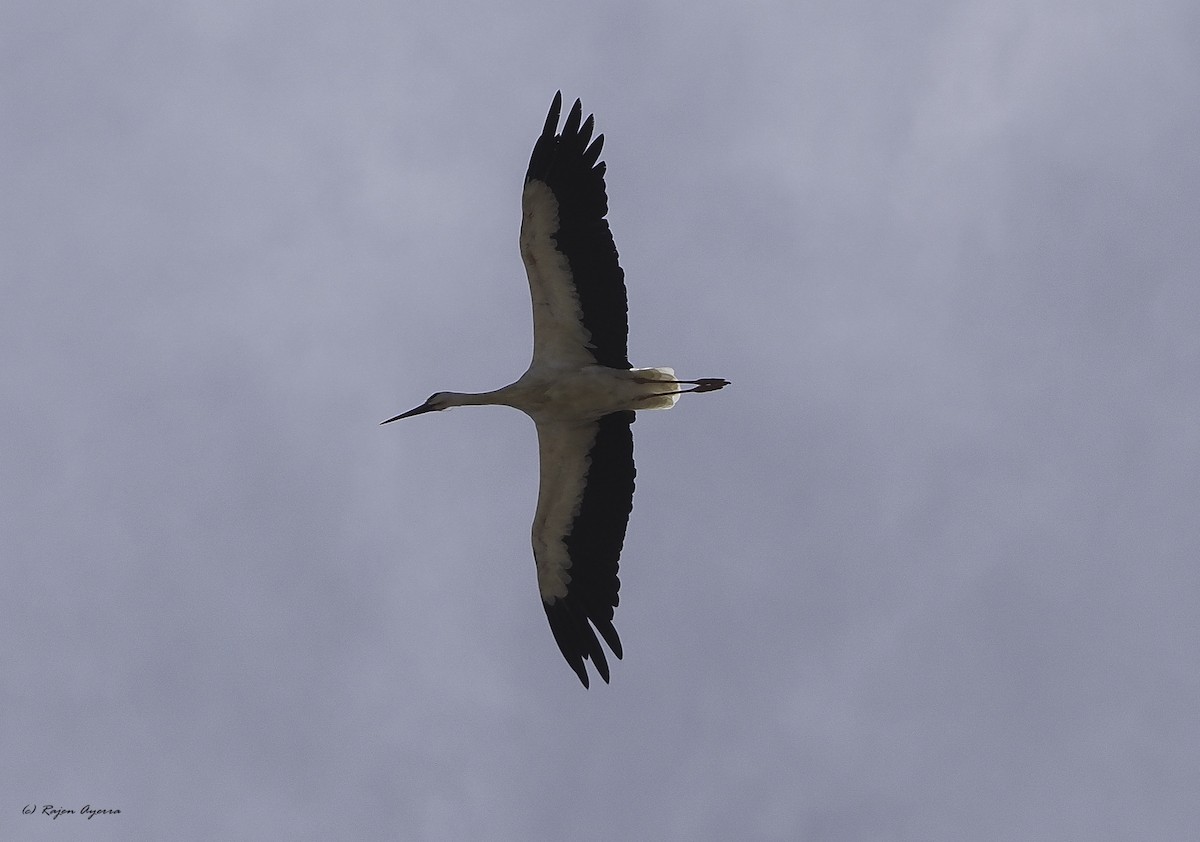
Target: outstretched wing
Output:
{"points": [[580, 311], [584, 500]]}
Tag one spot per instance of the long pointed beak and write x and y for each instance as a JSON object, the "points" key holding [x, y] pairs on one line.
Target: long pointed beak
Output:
{"points": [[423, 408]]}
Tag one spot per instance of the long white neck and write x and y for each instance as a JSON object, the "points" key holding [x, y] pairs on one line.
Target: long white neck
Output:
{"points": [[497, 397]]}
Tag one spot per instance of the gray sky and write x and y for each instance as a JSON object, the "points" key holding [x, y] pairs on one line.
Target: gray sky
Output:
{"points": [[926, 571]]}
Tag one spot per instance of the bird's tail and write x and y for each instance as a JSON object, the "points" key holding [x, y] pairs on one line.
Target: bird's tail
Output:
{"points": [[659, 388]]}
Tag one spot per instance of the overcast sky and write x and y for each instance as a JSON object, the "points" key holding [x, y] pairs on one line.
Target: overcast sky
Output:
{"points": [[926, 571]]}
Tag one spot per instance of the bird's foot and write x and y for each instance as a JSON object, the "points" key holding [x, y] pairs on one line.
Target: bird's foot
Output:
{"points": [[704, 384], [707, 384]]}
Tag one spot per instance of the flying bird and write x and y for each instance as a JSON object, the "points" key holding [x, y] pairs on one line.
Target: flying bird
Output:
{"points": [[580, 389]]}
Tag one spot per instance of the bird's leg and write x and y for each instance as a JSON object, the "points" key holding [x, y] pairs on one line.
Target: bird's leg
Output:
{"points": [[704, 384]]}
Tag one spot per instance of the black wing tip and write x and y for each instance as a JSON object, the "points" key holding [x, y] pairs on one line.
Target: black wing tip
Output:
{"points": [[573, 140], [577, 640], [575, 123], [552, 116], [571, 127], [609, 633]]}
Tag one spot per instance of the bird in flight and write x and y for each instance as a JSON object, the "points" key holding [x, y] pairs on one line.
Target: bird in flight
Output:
{"points": [[580, 389]]}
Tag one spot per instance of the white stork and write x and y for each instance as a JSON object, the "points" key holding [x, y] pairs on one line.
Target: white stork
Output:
{"points": [[579, 390]]}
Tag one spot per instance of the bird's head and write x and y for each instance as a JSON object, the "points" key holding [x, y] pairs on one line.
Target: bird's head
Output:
{"points": [[437, 401]]}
